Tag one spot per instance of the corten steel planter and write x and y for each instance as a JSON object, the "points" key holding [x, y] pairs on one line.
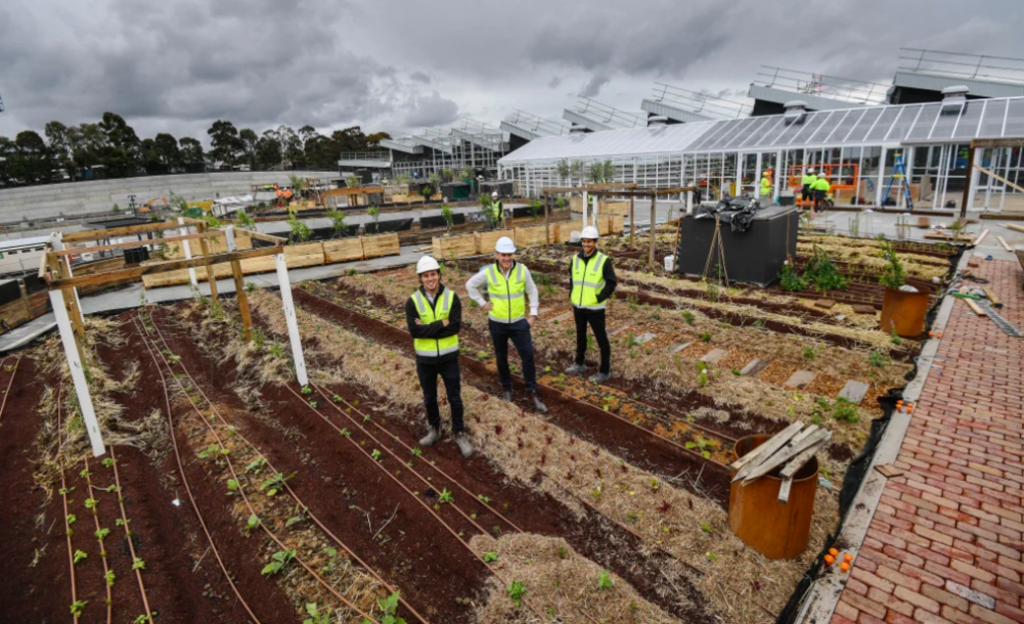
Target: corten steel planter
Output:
{"points": [[904, 312], [776, 530]]}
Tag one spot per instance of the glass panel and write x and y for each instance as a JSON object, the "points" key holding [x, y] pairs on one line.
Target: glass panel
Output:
{"points": [[809, 127], [719, 131], [1015, 119], [884, 122], [992, 122], [828, 124], [771, 137], [737, 130], [923, 127], [765, 132], [948, 116], [899, 130], [751, 133], [860, 132], [968, 125], [847, 124]]}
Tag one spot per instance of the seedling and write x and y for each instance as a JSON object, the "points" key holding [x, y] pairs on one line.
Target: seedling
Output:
{"points": [[605, 580], [417, 452], [138, 564], [389, 606], [484, 499], [275, 485], [256, 465], [315, 616], [79, 555], [376, 455], [705, 337], [253, 522], [279, 561], [77, 607], [110, 577], [346, 433], [307, 390], [102, 533], [516, 591], [313, 404], [446, 497], [107, 462], [71, 519], [490, 557], [845, 411], [878, 359], [688, 317], [142, 619], [232, 485]]}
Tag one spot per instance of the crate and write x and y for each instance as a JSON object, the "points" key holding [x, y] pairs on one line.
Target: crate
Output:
{"points": [[452, 247], [610, 224], [617, 208], [381, 245], [565, 230], [534, 236], [485, 241], [295, 256], [343, 250]]}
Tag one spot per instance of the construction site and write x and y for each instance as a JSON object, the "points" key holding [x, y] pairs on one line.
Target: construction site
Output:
{"points": [[213, 401]]}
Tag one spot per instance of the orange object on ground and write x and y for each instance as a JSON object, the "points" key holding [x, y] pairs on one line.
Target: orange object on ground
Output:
{"points": [[829, 559], [845, 567], [848, 557], [833, 552]]}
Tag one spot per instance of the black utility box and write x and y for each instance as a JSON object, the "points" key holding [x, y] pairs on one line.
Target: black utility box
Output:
{"points": [[755, 256]]}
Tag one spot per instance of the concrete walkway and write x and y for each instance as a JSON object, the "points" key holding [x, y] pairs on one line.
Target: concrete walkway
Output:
{"points": [[946, 540]]}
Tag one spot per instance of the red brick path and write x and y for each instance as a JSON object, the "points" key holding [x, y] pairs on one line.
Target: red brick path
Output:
{"points": [[946, 544]]}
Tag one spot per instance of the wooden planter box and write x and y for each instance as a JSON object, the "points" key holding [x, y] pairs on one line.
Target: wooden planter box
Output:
{"points": [[343, 250], [565, 230], [485, 241], [381, 245], [533, 236], [295, 256], [620, 209], [452, 247], [610, 224]]}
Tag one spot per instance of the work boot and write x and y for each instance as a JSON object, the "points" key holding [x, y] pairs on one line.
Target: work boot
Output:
{"points": [[462, 441], [538, 404], [600, 378], [432, 436], [576, 369], [507, 396]]}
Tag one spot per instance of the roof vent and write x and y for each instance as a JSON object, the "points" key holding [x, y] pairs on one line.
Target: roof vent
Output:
{"points": [[955, 95], [795, 108], [657, 120]]}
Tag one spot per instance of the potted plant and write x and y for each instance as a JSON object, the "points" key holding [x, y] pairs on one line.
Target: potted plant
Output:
{"points": [[903, 309]]}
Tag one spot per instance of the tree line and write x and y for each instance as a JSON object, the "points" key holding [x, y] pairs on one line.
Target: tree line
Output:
{"points": [[69, 153]]}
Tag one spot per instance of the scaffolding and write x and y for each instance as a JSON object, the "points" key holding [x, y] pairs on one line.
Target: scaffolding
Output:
{"points": [[822, 85], [961, 65], [700, 103]]}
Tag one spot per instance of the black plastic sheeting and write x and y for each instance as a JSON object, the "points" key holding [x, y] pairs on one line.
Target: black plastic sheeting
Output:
{"points": [[438, 221], [857, 472], [9, 291], [383, 227]]}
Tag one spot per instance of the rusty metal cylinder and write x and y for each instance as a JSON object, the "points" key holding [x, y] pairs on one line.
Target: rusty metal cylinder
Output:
{"points": [[904, 312], [774, 529]]}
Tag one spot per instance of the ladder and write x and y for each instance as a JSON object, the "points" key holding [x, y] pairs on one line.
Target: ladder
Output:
{"points": [[899, 172]]}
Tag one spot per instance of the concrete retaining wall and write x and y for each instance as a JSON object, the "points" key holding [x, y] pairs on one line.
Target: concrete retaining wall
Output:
{"points": [[50, 201]]}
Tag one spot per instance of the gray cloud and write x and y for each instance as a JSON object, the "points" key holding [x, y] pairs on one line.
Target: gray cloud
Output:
{"points": [[593, 86], [431, 110], [555, 82], [419, 76]]}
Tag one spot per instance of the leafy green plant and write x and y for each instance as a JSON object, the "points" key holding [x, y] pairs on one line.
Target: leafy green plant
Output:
{"points": [[307, 390], [688, 317], [374, 213], [446, 497], [107, 462], [893, 275], [275, 484], [845, 411], [138, 564], [253, 522], [78, 556], [142, 619], [878, 359], [811, 352], [298, 231], [389, 608], [232, 485], [822, 272], [71, 519], [110, 577], [483, 499], [102, 533], [278, 562], [705, 337], [516, 591], [77, 607], [376, 455], [605, 580], [791, 281], [256, 465], [449, 217], [315, 616], [490, 557], [244, 219]]}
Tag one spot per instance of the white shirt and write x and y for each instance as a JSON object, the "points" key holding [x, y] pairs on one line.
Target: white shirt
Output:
{"points": [[479, 281]]}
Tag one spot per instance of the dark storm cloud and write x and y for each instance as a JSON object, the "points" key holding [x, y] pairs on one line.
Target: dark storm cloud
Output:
{"points": [[431, 110], [593, 86], [419, 76]]}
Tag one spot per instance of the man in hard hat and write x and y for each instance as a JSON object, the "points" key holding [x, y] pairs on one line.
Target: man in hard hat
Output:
{"points": [[821, 188], [497, 210], [808, 180], [509, 288], [592, 282], [766, 185], [433, 315]]}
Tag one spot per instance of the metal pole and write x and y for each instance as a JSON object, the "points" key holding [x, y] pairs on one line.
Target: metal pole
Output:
{"points": [[291, 319], [632, 222], [968, 183], [654, 207]]}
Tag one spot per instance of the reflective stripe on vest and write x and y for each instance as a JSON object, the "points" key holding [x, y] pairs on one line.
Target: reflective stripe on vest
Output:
{"points": [[588, 281], [507, 296], [434, 347]]}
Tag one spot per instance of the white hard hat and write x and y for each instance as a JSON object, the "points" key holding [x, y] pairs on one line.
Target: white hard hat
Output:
{"points": [[810, 171], [590, 232], [505, 245], [427, 263], [494, 195]]}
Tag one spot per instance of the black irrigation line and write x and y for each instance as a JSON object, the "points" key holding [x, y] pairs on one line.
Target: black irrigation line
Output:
{"points": [[551, 389], [10, 383], [241, 489], [448, 527]]}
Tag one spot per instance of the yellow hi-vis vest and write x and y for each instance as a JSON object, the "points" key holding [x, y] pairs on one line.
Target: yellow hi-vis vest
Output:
{"points": [[507, 296], [588, 281], [766, 187], [431, 347], [821, 184], [808, 179]]}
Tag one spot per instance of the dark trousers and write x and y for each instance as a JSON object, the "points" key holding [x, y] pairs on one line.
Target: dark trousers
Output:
{"points": [[806, 193], [819, 200], [595, 318], [449, 372], [519, 334]]}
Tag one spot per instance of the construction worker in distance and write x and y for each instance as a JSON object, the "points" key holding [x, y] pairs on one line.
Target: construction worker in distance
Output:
{"points": [[510, 288], [766, 185], [808, 180], [433, 315], [821, 188], [592, 284]]}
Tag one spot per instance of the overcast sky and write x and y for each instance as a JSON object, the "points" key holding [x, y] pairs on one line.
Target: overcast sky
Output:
{"points": [[177, 65]]}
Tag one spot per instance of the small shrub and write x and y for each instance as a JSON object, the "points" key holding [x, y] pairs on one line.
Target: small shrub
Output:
{"points": [[878, 359], [822, 272], [516, 591], [791, 281], [845, 411], [688, 317], [605, 580]]}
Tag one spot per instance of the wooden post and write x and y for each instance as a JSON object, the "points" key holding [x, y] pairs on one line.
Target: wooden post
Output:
{"points": [[236, 272], [188, 255], [632, 222], [71, 350], [291, 319], [967, 182], [64, 270], [654, 211], [210, 276]]}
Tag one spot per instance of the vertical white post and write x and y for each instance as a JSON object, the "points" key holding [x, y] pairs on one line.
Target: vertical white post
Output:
{"points": [[57, 244], [781, 171], [188, 254], [585, 211], [740, 166], [67, 338], [290, 318], [881, 178], [757, 178], [689, 202], [229, 237], [909, 155]]}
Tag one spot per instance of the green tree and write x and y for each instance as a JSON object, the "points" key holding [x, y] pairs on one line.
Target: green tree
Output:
{"points": [[121, 153], [268, 151], [191, 151], [60, 148], [248, 140], [225, 142], [31, 158]]}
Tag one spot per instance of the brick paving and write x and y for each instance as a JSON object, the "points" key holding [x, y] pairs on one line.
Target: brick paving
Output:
{"points": [[946, 543]]}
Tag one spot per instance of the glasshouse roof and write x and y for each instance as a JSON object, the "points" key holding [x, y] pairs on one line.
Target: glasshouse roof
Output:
{"points": [[938, 122]]}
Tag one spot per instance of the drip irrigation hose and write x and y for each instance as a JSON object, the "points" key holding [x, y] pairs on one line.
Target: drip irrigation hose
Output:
{"points": [[64, 496], [128, 534], [241, 489], [188, 489], [10, 383], [388, 473], [103, 548]]}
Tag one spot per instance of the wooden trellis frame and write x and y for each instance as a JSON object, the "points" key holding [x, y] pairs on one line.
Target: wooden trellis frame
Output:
{"points": [[55, 269]]}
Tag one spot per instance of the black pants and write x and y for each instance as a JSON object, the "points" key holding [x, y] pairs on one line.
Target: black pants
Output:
{"points": [[595, 318], [519, 334], [806, 194], [819, 200], [449, 372]]}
